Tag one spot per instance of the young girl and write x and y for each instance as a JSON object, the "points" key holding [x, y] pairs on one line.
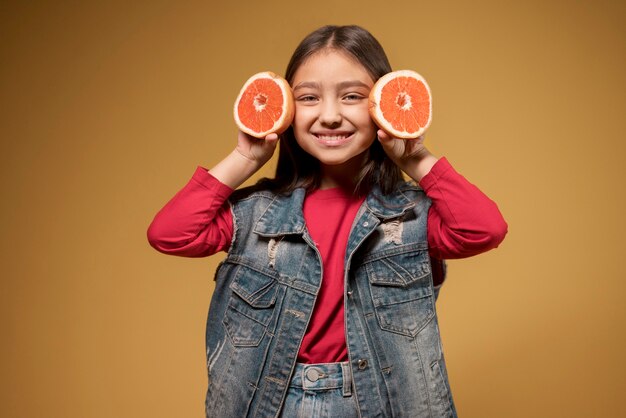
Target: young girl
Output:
{"points": [[325, 303]]}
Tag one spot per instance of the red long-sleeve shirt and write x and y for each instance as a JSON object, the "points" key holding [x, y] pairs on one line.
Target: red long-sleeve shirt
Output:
{"points": [[462, 222]]}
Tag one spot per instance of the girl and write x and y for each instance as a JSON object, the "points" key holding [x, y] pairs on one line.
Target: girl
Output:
{"points": [[325, 303]]}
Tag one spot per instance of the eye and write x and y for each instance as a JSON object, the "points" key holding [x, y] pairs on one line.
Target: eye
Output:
{"points": [[353, 97], [307, 98]]}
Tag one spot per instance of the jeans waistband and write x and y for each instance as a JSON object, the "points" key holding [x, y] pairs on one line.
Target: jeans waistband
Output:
{"points": [[323, 376]]}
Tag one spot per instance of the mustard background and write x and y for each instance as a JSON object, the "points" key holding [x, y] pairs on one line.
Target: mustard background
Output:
{"points": [[108, 107]]}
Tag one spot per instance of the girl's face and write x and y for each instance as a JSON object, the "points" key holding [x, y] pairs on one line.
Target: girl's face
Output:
{"points": [[331, 121]]}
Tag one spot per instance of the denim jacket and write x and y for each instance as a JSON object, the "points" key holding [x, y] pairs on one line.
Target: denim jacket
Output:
{"points": [[266, 289]]}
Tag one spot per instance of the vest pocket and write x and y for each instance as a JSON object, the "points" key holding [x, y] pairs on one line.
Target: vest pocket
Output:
{"points": [[250, 308], [401, 291]]}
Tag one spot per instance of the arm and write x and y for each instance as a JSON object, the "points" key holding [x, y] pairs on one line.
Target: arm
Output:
{"points": [[249, 155], [197, 222], [462, 220]]}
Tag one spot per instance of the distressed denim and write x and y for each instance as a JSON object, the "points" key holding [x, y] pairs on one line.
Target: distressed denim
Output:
{"points": [[265, 293]]}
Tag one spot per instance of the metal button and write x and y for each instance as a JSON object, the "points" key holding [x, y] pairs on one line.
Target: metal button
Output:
{"points": [[349, 293], [366, 224], [312, 374], [362, 364]]}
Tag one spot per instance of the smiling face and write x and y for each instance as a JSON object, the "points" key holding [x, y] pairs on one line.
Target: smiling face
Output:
{"points": [[331, 121]]}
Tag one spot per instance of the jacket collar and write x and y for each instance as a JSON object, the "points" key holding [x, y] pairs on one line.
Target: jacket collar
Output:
{"points": [[391, 205], [284, 214]]}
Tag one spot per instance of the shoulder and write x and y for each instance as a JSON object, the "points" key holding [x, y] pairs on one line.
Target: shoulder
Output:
{"points": [[256, 191], [255, 200], [404, 192], [409, 188], [406, 196]]}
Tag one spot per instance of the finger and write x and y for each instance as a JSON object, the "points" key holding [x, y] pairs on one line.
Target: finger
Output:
{"points": [[271, 140], [383, 136]]}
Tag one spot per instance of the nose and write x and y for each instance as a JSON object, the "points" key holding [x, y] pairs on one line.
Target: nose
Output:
{"points": [[330, 113]]}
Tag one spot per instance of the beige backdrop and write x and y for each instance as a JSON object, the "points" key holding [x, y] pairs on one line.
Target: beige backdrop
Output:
{"points": [[106, 110]]}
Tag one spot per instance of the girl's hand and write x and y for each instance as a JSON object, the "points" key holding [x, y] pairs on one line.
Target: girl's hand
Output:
{"points": [[256, 150], [409, 154], [249, 155]]}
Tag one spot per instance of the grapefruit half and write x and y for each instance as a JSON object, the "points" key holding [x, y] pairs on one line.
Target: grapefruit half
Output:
{"points": [[401, 104], [264, 105]]}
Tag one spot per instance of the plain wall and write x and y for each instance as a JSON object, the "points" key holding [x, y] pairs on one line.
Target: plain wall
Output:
{"points": [[107, 108]]}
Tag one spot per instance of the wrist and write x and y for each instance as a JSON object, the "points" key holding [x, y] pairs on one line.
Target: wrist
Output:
{"points": [[235, 169], [244, 161], [419, 167]]}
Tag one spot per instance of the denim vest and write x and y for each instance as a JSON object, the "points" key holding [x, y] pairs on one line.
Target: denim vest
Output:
{"points": [[266, 289]]}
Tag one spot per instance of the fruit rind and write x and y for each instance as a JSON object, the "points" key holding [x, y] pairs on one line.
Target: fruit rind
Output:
{"points": [[376, 112], [285, 118]]}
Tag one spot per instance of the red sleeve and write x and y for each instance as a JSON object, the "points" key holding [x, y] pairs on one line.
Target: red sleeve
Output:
{"points": [[197, 221], [462, 220]]}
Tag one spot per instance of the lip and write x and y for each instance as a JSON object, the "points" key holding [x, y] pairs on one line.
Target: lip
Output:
{"points": [[333, 138]]}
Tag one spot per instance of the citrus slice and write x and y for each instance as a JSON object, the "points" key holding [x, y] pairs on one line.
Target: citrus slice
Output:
{"points": [[401, 104], [264, 105]]}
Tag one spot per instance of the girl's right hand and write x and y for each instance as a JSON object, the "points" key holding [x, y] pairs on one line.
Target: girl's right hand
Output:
{"points": [[249, 156], [256, 150]]}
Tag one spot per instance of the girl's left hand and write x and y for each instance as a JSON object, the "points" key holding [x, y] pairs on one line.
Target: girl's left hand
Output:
{"points": [[409, 154]]}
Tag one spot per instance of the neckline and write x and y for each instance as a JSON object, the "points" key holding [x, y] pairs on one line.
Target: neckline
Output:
{"points": [[332, 193]]}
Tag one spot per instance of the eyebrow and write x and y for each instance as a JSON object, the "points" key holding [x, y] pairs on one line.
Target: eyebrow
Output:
{"points": [[307, 84], [342, 85], [353, 83]]}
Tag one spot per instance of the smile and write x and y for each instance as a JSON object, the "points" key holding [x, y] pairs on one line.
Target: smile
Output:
{"points": [[333, 139]]}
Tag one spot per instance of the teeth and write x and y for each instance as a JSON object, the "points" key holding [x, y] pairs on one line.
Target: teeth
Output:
{"points": [[331, 137]]}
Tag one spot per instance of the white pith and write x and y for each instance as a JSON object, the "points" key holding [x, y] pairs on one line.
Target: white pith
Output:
{"points": [[260, 102], [404, 97], [377, 114]]}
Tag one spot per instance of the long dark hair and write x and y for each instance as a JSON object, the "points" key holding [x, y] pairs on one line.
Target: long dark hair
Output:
{"points": [[296, 168]]}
